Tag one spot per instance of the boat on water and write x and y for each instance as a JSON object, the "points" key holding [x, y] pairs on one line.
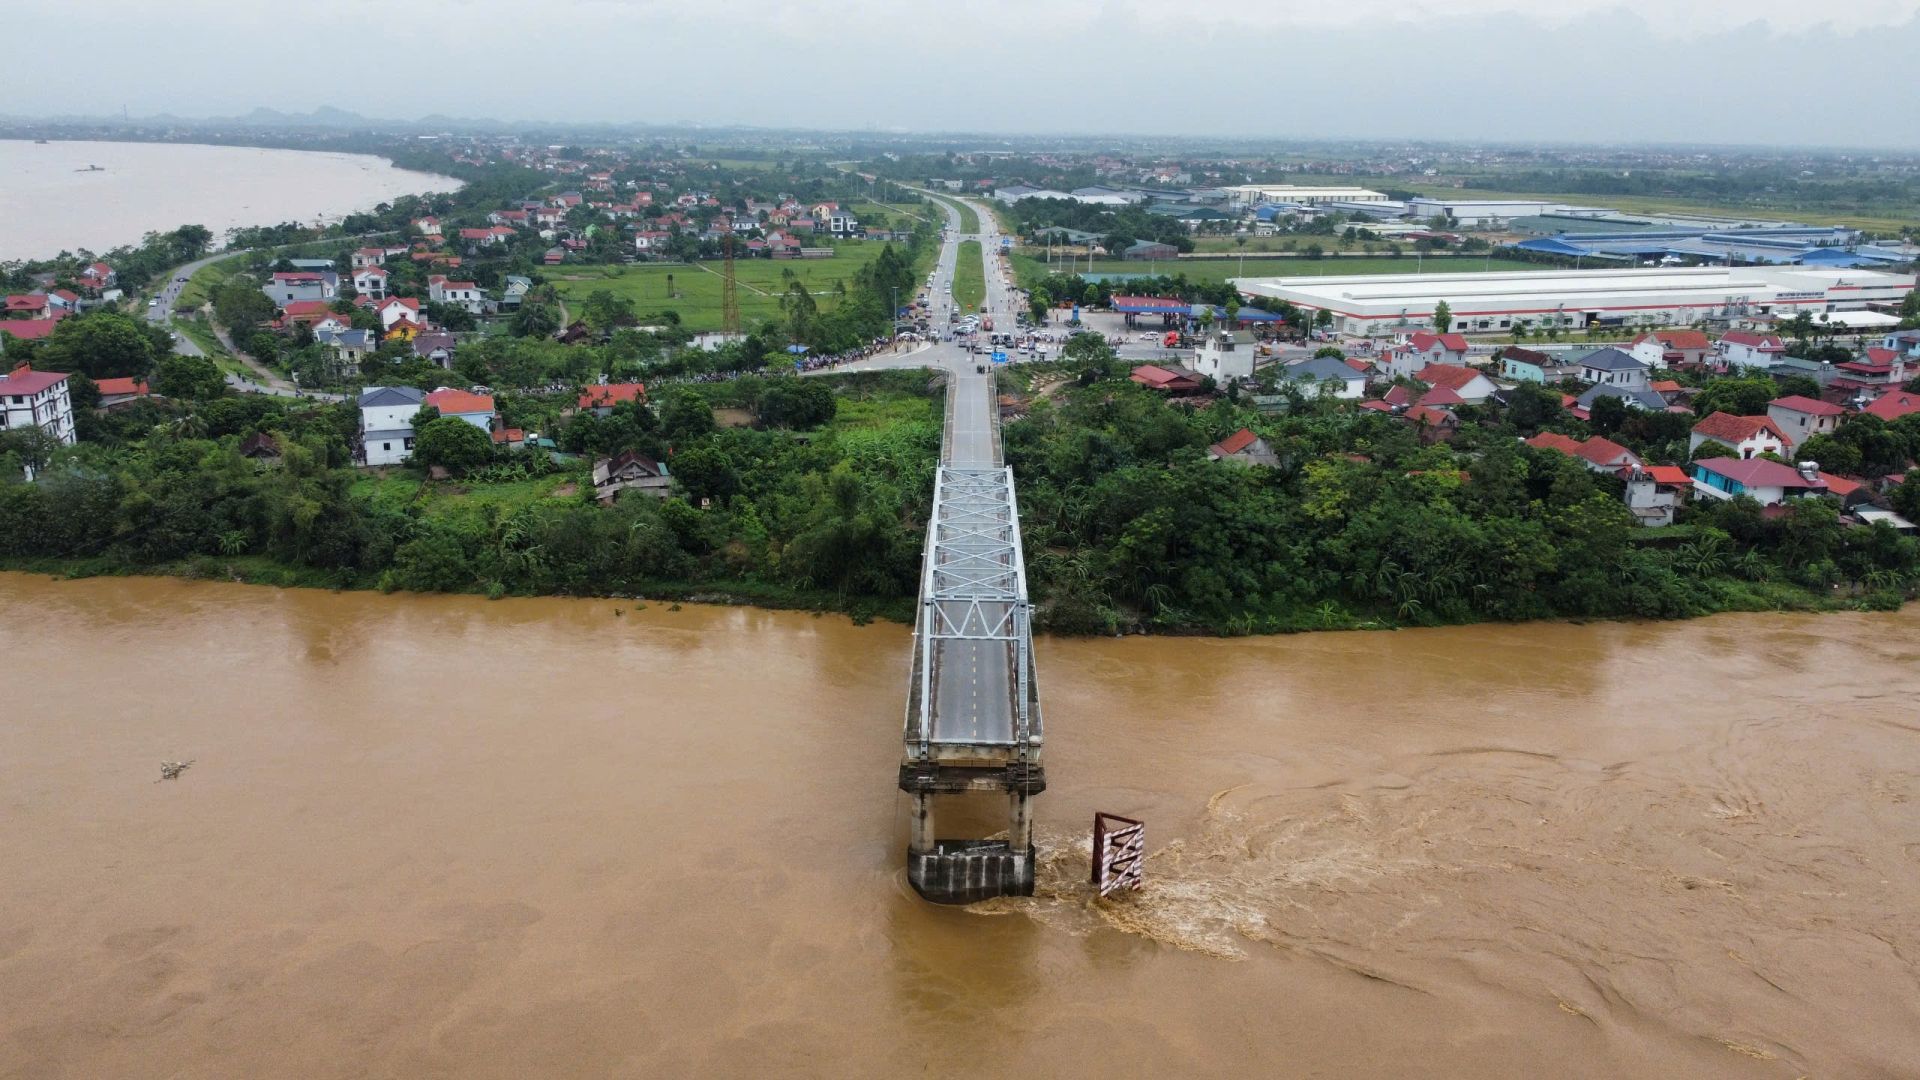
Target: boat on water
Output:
{"points": [[91, 168], [40, 142]]}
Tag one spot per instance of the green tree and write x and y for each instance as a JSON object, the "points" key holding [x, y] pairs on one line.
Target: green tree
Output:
{"points": [[1442, 316], [452, 444], [1739, 396], [685, 416], [188, 378], [101, 345], [240, 305], [535, 321], [604, 311]]}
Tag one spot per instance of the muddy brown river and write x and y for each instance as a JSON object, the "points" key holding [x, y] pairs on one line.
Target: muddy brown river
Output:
{"points": [[442, 837]]}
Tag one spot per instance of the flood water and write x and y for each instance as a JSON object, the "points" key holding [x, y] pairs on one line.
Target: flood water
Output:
{"points": [[441, 837], [48, 205]]}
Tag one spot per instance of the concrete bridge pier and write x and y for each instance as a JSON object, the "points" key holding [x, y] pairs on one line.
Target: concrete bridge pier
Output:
{"points": [[968, 871]]}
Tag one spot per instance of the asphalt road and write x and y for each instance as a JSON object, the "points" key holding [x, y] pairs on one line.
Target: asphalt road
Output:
{"points": [[973, 700]]}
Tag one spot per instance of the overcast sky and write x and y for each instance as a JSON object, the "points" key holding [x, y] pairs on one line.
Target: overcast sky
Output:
{"points": [[1772, 71]]}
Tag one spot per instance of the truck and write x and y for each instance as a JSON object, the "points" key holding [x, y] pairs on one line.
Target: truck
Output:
{"points": [[986, 323]]}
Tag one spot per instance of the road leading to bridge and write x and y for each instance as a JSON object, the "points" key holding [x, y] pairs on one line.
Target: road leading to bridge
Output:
{"points": [[973, 716]]}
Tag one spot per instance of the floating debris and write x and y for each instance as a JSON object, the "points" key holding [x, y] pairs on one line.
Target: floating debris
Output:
{"points": [[171, 770]]}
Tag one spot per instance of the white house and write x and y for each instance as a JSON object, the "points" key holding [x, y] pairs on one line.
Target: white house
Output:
{"points": [[371, 281], [392, 310], [349, 348], [1801, 418], [1431, 348], [1225, 355], [1766, 482], [475, 409], [1750, 349], [464, 294], [30, 398], [1340, 378], [1472, 385], [294, 285], [1612, 367], [366, 257], [386, 423], [1748, 436]]}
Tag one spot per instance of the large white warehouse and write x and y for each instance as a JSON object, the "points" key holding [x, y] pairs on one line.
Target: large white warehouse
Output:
{"points": [[1381, 304], [1250, 194]]}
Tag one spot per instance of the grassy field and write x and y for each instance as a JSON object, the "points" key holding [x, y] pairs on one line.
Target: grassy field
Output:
{"points": [[697, 287], [969, 277], [1029, 269]]}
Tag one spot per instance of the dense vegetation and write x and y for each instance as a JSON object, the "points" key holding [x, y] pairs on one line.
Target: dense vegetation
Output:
{"points": [[1128, 524], [832, 520]]}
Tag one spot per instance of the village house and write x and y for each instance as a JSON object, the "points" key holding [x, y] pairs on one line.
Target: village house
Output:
{"points": [[435, 348], [1893, 405], [475, 409], [98, 277], [369, 256], [1597, 454], [1768, 483], [509, 438], [629, 471], [349, 347], [1903, 342], [1425, 348], [1878, 370], [1748, 436], [117, 392], [32, 305], [289, 286], [600, 400], [261, 446], [427, 226], [1243, 447], [1800, 418], [399, 317], [1750, 349], [371, 281], [462, 294], [1225, 355], [1339, 378], [1672, 349], [1167, 380], [386, 423], [1472, 385], [1612, 367], [1655, 493], [1531, 365], [41, 399]]}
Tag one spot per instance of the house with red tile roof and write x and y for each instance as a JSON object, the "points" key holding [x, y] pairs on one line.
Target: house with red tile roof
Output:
{"points": [[1243, 447], [41, 399], [1553, 440], [28, 306], [371, 281], [1168, 380], [1471, 385], [1597, 454], [1672, 349], [120, 391], [1893, 405], [601, 399], [1751, 349], [1767, 482], [1799, 418], [1655, 493], [369, 256], [1749, 436], [25, 330], [98, 276], [475, 409]]}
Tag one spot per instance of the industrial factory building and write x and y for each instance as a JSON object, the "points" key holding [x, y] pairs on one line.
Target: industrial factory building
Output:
{"points": [[1384, 304], [1245, 195]]}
